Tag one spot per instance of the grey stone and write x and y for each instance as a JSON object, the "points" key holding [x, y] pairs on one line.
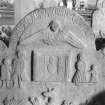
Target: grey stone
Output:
{"points": [[51, 60]]}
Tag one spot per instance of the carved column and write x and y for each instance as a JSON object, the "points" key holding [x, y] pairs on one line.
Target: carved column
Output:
{"points": [[27, 64]]}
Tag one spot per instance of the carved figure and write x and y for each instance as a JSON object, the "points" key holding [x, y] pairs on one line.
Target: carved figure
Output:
{"points": [[5, 74], [17, 73], [92, 75], [8, 64], [21, 65], [80, 74]]}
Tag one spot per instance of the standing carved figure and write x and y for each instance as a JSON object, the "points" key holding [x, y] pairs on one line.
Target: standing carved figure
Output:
{"points": [[8, 64], [16, 75], [92, 74], [3, 51], [18, 65], [4, 73], [79, 76]]}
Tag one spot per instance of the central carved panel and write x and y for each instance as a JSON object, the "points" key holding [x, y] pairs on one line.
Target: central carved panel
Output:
{"points": [[52, 68]]}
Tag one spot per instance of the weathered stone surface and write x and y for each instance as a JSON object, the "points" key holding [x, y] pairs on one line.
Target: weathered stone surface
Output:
{"points": [[51, 60]]}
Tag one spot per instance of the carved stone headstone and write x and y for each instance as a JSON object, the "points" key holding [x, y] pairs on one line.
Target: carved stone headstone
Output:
{"points": [[51, 60]]}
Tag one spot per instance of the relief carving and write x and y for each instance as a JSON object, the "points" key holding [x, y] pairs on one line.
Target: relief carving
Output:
{"points": [[5, 66], [9, 102], [54, 66], [80, 74], [6, 73], [83, 75], [17, 73], [51, 96], [92, 74], [48, 46]]}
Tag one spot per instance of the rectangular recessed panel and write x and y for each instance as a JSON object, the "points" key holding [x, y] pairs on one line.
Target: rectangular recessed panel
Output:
{"points": [[52, 68]]}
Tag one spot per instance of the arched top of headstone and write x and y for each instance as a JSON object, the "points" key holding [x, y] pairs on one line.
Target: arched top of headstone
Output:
{"points": [[53, 25]]}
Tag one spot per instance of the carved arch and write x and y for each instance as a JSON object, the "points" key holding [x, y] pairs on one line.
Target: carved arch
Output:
{"points": [[73, 28]]}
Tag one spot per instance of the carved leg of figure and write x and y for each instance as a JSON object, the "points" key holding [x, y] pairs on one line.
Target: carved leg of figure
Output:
{"points": [[19, 81], [1, 83], [4, 83], [9, 84], [15, 81]]}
